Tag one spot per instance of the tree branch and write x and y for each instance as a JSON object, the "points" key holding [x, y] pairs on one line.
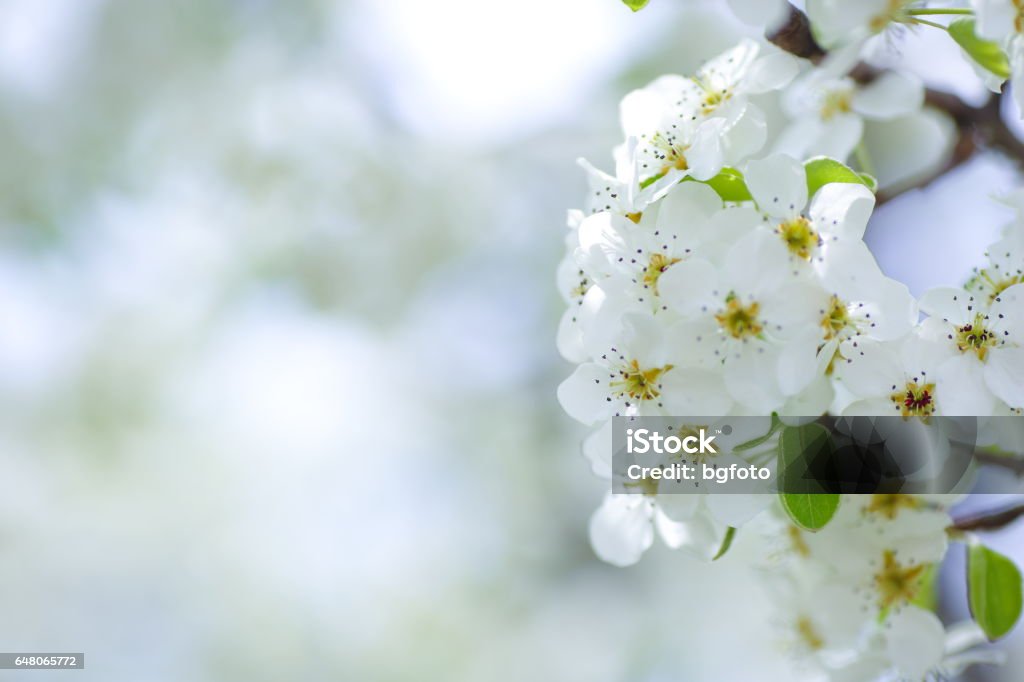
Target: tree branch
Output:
{"points": [[978, 128], [795, 37], [993, 520]]}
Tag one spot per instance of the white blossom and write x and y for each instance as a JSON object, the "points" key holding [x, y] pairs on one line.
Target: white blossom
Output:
{"points": [[740, 314], [985, 358], [679, 126], [829, 112], [842, 22], [623, 527], [707, 279], [641, 373], [1002, 21]]}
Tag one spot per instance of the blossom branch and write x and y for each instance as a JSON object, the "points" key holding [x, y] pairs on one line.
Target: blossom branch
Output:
{"points": [[994, 520], [991, 520], [978, 128], [795, 37]]}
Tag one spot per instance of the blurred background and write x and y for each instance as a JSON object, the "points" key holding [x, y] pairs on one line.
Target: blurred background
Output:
{"points": [[277, 319]]}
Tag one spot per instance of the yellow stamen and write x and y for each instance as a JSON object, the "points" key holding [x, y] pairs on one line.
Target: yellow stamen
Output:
{"points": [[915, 400], [799, 237], [837, 102], [836, 318], [975, 338], [809, 634], [897, 584], [739, 321], [889, 505], [796, 540], [639, 384], [658, 265]]}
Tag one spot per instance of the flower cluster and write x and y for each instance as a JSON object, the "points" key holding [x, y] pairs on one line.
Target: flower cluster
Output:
{"points": [[720, 273], [720, 291], [874, 567]]}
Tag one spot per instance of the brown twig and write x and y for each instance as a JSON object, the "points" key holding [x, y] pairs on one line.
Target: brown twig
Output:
{"points": [[978, 128], [993, 520], [795, 37]]}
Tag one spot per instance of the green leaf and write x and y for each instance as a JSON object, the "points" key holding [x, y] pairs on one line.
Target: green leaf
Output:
{"points": [[810, 511], [823, 170], [730, 185], [993, 590], [869, 180], [726, 543], [927, 596], [644, 184], [986, 53], [636, 5], [808, 506]]}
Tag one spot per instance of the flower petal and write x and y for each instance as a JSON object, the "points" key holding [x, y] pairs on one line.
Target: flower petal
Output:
{"points": [[584, 395], [689, 204], [1007, 314], [597, 448], [696, 343], [949, 304], [735, 509], [753, 379], [648, 109], [837, 138], [960, 387], [892, 310], [705, 155], [794, 309], [758, 263], [679, 506], [778, 184], [644, 339], [871, 407], [905, 149], [891, 95], [915, 641], [764, 13], [798, 362], [870, 369], [746, 136], [773, 71], [842, 209], [690, 391], [1004, 375], [689, 287], [621, 530], [727, 69], [570, 337], [700, 536], [995, 19]]}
